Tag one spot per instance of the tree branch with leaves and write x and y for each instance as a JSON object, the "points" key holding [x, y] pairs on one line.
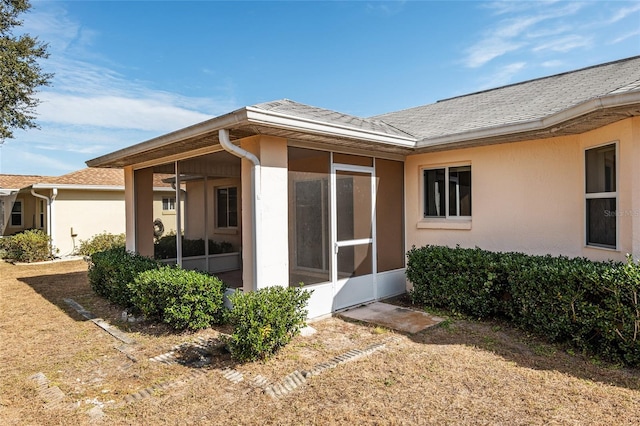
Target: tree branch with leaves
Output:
{"points": [[20, 73]]}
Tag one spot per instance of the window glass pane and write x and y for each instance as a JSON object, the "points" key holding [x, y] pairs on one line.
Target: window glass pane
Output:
{"points": [[434, 192], [601, 222], [460, 191], [233, 207], [222, 207], [16, 214], [600, 168]]}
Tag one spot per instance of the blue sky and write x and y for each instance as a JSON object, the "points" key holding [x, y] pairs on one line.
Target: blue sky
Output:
{"points": [[129, 71]]}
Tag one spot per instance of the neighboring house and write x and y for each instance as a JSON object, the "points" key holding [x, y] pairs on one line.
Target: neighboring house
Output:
{"points": [[76, 206], [547, 166]]}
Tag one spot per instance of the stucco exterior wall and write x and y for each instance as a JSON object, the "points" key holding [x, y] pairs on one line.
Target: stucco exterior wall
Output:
{"points": [[273, 251], [530, 196], [195, 211], [85, 214]]}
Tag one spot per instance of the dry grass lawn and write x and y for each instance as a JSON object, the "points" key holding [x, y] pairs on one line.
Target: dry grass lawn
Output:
{"points": [[460, 373]]}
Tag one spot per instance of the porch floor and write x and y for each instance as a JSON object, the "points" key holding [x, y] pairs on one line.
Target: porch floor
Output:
{"points": [[391, 316]]}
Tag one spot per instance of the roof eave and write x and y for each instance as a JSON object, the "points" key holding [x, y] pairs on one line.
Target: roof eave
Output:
{"points": [[549, 122], [289, 122], [199, 129]]}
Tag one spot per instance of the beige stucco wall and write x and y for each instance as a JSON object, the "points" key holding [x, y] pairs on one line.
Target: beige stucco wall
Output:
{"points": [[272, 227], [85, 214], [30, 214], [195, 211], [529, 196]]}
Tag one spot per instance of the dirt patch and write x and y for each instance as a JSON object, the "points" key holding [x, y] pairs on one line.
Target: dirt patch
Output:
{"points": [[459, 373]]}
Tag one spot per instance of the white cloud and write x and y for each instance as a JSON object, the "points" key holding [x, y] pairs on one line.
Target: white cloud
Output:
{"points": [[526, 21], [489, 49], [503, 76], [91, 109], [154, 114], [623, 13], [565, 44], [625, 36]]}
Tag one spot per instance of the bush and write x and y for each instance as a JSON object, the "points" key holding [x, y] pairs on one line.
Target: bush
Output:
{"points": [[592, 305], [265, 320], [28, 246], [101, 242], [183, 299], [112, 270]]}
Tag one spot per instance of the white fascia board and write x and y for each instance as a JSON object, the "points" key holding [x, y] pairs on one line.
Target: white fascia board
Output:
{"points": [[199, 129], [77, 187], [592, 105], [289, 122], [80, 187]]}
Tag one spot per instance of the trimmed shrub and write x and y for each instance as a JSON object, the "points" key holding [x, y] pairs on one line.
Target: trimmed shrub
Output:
{"points": [[591, 305], [31, 245], [181, 298], [101, 242], [111, 270], [265, 320]]}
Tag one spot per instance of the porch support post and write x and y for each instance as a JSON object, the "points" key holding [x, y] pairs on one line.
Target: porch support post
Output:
{"points": [[272, 227], [635, 187], [129, 209], [143, 184]]}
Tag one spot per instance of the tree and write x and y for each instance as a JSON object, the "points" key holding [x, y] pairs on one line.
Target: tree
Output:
{"points": [[20, 72]]}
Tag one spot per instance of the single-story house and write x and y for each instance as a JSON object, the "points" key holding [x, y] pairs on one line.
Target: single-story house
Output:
{"points": [[76, 206], [334, 201]]}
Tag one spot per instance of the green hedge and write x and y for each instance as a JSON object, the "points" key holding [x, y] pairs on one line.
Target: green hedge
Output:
{"points": [[32, 245], [265, 320], [111, 271], [181, 298], [101, 242], [592, 305]]}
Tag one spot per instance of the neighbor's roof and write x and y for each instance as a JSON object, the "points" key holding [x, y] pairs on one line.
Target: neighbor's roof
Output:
{"points": [[563, 104], [19, 181], [87, 178]]}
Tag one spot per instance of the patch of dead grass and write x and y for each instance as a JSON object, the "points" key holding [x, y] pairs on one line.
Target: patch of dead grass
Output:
{"points": [[462, 373]]}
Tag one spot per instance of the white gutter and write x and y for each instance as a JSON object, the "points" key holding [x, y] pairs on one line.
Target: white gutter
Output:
{"points": [[50, 213], [256, 212]]}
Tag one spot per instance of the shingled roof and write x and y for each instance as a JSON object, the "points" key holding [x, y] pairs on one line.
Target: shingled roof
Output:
{"points": [[531, 101], [19, 181], [84, 178], [563, 104]]}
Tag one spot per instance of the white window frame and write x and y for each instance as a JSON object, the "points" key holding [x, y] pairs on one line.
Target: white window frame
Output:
{"points": [[217, 201], [21, 224], [446, 216], [598, 195], [171, 202]]}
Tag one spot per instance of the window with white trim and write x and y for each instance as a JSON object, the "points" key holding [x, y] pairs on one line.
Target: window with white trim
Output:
{"points": [[447, 192], [168, 204], [601, 196], [16, 213], [227, 207]]}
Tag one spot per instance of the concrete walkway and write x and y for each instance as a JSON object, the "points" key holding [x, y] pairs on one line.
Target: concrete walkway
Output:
{"points": [[393, 317]]}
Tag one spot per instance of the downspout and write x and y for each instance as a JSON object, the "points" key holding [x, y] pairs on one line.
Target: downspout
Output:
{"points": [[256, 222], [50, 211]]}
